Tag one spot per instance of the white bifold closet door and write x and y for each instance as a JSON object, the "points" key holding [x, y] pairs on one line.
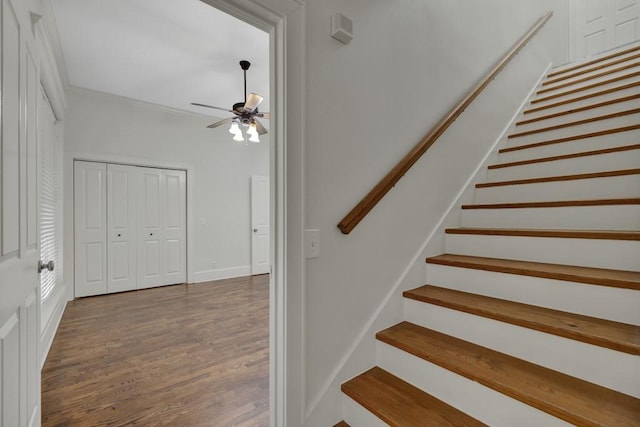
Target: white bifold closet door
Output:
{"points": [[162, 227], [130, 227], [121, 228]]}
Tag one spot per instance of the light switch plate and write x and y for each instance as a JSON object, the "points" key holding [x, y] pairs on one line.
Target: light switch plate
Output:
{"points": [[312, 243]]}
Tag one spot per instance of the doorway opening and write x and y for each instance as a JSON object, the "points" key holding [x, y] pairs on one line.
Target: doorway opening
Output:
{"points": [[88, 105]]}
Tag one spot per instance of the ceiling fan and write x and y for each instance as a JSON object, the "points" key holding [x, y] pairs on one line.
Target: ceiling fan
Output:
{"points": [[245, 113]]}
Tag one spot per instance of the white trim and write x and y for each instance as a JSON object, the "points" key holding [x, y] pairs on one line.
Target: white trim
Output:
{"points": [[51, 321], [53, 73], [136, 102], [368, 330], [221, 273]]}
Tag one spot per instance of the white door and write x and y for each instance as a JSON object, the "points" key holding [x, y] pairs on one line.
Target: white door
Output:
{"points": [[121, 228], [161, 227], [600, 25], [19, 240], [175, 226], [260, 242], [90, 211]]}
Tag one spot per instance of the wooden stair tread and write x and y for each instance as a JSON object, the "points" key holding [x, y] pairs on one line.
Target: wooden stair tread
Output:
{"points": [[604, 333], [579, 109], [579, 274], [551, 81], [575, 138], [568, 398], [582, 97], [584, 88], [575, 123], [342, 424], [587, 78], [398, 403], [592, 175], [593, 61], [555, 204], [568, 234], [566, 156]]}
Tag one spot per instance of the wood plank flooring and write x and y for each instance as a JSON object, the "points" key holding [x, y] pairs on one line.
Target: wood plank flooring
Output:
{"points": [[182, 355]]}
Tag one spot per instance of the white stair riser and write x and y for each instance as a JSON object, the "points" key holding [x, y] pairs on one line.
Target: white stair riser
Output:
{"points": [[624, 186], [627, 159], [357, 416], [542, 98], [581, 115], [589, 72], [617, 304], [605, 62], [580, 103], [555, 87], [597, 253], [543, 349], [619, 139], [611, 217], [599, 125], [472, 398]]}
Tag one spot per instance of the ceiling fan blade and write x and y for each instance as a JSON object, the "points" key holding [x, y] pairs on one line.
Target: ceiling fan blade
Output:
{"points": [[220, 123], [211, 106], [261, 129], [263, 115], [253, 100]]}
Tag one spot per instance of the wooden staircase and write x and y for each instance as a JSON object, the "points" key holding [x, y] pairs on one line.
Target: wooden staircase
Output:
{"points": [[531, 316]]}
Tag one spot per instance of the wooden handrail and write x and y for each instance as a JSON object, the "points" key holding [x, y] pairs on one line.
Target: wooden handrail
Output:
{"points": [[358, 213]]}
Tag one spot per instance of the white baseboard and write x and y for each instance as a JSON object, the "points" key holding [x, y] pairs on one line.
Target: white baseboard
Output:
{"points": [[221, 273], [51, 317]]}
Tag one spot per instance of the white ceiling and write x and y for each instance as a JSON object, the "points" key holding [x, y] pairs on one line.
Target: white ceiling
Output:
{"points": [[167, 52]]}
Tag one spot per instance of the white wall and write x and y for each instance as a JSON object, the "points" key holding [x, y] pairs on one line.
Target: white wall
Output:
{"points": [[368, 103], [100, 126]]}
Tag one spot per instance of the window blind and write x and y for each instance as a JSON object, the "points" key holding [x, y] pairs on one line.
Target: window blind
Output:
{"points": [[48, 214]]}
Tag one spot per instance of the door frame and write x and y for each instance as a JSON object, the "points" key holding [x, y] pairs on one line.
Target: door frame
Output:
{"points": [[284, 20]]}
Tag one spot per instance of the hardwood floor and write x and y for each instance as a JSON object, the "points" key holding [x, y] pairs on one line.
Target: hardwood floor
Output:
{"points": [[182, 355]]}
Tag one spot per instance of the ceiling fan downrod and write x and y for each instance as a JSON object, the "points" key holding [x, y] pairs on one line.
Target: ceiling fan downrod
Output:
{"points": [[245, 66]]}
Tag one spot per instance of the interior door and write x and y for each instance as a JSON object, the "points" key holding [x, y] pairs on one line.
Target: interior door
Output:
{"points": [[19, 239], [603, 24], [90, 211], [121, 228], [260, 241]]}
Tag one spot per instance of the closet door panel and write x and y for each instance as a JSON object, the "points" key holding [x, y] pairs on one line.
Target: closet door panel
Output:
{"points": [[150, 235], [90, 228], [175, 226], [121, 217]]}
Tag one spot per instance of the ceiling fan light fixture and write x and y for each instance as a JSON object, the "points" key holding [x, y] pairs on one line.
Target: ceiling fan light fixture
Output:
{"points": [[238, 136], [234, 129], [253, 133]]}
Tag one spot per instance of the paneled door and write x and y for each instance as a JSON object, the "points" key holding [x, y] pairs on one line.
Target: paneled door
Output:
{"points": [[121, 228], [19, 231], [161, 227], [600, 25], [90, 213], [260, 241]]}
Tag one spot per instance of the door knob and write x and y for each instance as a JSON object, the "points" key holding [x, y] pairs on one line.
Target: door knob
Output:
{"points": [[255, 230], [45, 266]]}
